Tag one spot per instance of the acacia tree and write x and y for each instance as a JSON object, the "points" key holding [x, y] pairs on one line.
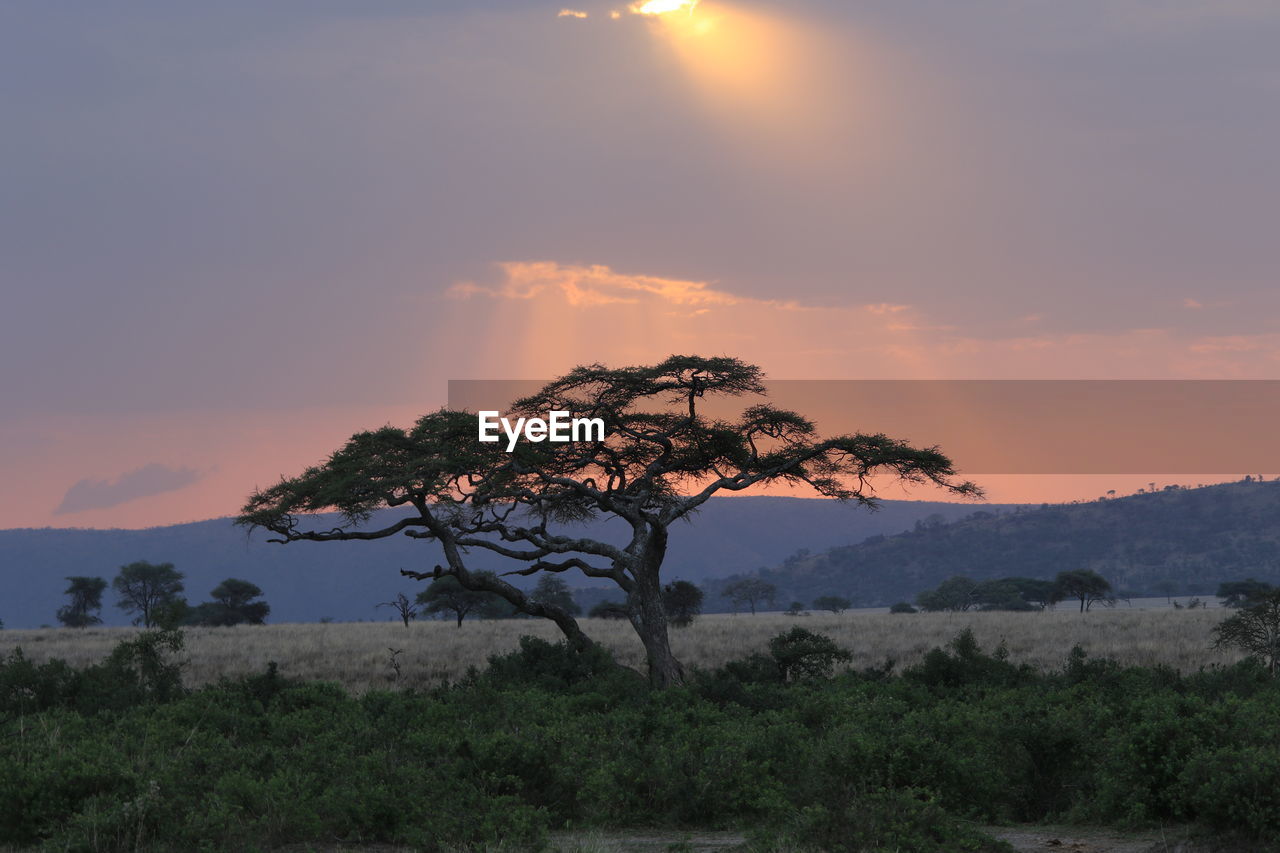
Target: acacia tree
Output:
{"points": [[1084, 584], [446, 594], [86, 601], [837, 604], [405, 608], [660, 459], [147, 588], [1255, 629], [751, 592]]}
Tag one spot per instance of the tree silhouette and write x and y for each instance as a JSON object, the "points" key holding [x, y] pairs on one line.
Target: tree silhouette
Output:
{"points": [[752, 592], [552, 591], [661, 458], [835, 603], [446, 594], [86, 601], [683, 601], [405, 608], [145, 588], [1084, 584], [1255, 629]]}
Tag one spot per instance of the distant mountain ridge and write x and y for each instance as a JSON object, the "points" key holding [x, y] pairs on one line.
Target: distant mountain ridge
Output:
{"points": [[305, 581], [1182, 541]]}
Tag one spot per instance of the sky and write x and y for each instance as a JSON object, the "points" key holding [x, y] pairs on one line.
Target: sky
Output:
{"points": [[233, 234]]}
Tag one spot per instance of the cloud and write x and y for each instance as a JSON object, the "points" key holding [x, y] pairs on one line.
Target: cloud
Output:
{"points": [[555, 315], [144, 482], [571, 13], [597, 285]]}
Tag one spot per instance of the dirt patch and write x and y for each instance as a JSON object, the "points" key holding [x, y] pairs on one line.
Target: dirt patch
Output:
{"points": [[646, 841], [1075, 839]]}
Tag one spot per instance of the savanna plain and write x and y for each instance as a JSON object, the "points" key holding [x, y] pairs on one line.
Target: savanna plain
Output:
{"points": [[426, 653]]}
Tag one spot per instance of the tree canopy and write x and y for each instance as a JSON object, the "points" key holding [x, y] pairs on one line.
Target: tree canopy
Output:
{"points": [[1084, 584], [446, 595], [660, 459], [86, 600], [1255, 629], [147, 588], [683, 601], [233, 604]]}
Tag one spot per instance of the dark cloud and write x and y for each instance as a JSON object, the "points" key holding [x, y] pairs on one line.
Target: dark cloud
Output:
{"points": [[153, 479]]}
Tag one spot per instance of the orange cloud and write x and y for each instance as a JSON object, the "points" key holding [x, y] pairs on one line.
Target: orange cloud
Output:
{"points": [[557, 315]]}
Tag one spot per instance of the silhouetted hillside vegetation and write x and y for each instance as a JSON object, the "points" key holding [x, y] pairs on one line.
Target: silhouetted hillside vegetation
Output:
{"points": [[345, 580], [1177, 541]]}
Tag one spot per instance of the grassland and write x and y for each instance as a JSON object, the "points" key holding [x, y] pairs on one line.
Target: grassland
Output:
{"points": [[359, 655]]}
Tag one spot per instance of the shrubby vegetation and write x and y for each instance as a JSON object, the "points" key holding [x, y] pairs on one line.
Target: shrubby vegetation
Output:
{"points": [[119, 756]]}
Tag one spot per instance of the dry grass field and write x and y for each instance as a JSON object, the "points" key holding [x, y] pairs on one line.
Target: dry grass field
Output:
{"points": [[359, 654]]}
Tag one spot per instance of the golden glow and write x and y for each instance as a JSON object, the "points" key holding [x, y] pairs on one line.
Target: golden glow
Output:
{"points": [[663, 7]]}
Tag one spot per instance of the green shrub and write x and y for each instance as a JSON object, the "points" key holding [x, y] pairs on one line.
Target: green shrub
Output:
{"points": [[551, 666], [802, 654]]}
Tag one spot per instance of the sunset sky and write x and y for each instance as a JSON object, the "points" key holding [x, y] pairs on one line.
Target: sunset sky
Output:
{"points": [[233, 233]]}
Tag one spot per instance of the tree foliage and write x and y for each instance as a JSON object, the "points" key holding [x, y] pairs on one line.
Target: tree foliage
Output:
{"points": [[446, 594], [145, 588], [683, 602], [835, 603], [751, 592], [86, 600], [608, 610], [956, 593], [662, 457], [552, 591], [1243, 593], [233, 604], [1086, 585], [1255, 629]]}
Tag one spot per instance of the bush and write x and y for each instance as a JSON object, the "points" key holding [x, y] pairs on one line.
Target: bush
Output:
{"points": [[802, 654], [966, 665], [552, 666], [902, 607]]}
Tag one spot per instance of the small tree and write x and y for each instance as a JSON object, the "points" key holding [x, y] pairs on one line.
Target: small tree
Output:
{"points": [[1255, 629], [86, 601], [1243, 593], [144, 587], [802, 654], [751, 592], [552, 591], [1084, 584], [683, 601], [405, 608], [956, 593], [608, 610], [446, 595], [835, 603], [233, 604]]}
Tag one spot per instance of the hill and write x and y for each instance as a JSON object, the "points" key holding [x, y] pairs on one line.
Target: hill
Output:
{"points": [[1177, 541], [345, 580]]}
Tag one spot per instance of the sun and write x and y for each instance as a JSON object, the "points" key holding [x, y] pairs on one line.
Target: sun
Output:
{"points": [[663, 7]]}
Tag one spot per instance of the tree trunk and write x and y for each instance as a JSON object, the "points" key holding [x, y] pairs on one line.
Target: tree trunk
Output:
{"points": [[649, 617]]}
